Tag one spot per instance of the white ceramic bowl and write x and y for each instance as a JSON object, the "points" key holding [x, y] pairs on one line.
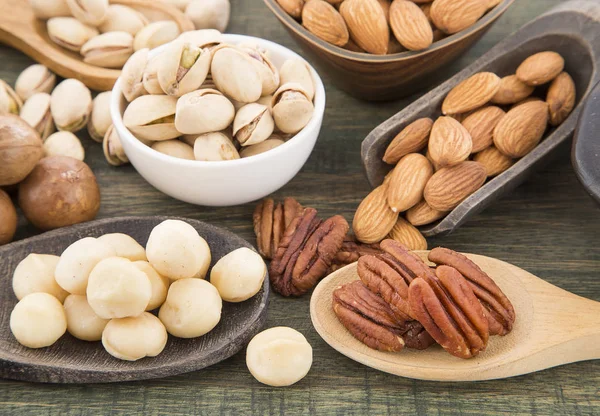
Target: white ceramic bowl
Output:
{"points": [[231, 182]]}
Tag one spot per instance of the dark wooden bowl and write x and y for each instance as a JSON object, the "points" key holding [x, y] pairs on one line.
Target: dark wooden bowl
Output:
{"points": [[570, 29], [379, 78], [71, 360]]}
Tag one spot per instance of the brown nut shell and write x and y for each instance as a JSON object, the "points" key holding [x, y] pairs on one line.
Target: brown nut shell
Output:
{"points": [[20, 149], [8, 225]]}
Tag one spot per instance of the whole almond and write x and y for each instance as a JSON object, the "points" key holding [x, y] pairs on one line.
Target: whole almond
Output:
{"points": [[490, 4], [292, 7], [561, 98], [413, 138], [450, 143], [409, 177], [452, 16], [436, 167], [493, 161], [385, 6], [520, 130], [367, 25], [324, 21], [426, 9], [410, 25], [511, 91], [423, 214], [406, 233], [374, 219], [525, 101], [481, 124], [448, 187], [472, 93], [540, 68]]}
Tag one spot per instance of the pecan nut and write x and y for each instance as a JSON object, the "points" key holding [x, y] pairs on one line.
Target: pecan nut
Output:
{"points": [[270, 222], [351, 251]]}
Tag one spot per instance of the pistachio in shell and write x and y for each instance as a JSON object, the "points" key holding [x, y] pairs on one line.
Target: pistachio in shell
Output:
{"points": [[113, 149], [209, 14], [182, 68], [132, 74], [36, 112], [91, 12], [156, 34], [69, 32], [20, 149], [204, 38], [212, 147], [71, 103], [150, 76], [292, 109], [261, 147], [8, 225], [108, 50], [203, 111], [121, 18], [180, 4], [45, 9], [34, 79], [64, 143], [10, 103], [235, 74], [253, 124], [175, 148], [152, 117], [100, 119], [269, 73], [297, 71]]}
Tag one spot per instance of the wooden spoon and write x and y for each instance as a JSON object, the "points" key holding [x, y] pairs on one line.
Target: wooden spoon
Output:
{"points": [[20, 29], [553, 327]]}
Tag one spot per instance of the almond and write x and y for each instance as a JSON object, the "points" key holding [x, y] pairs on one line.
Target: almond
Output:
{"points": [[436, 167], [481, 125], [408, 181], [561, 98], [292, 7], [472, 93], [490, 4], [426, 9], [540, 68], [374, 219], [511, 91], [452, 16], [410, 25], [423, 214], [413, 138], [367, 25], [493, 161], [520, 130], [406, 234], [450, 143], [448, 187], [324, 21], [385, 6], [525, 101]]}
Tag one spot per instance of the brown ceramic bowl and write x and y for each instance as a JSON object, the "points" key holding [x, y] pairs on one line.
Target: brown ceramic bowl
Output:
{"points": [[376, 77]]}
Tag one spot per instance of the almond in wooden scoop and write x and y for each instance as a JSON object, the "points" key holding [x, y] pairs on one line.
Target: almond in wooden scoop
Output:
{"points": [[472, 93], [450, 143], [408, 181], [521, 129], [413, 138], [448, 187], [323, 20], [540, 68], [406, 233], [367, 25], [410, 25], [512, 90], [561, 98], [494, 161], [481, 125]]}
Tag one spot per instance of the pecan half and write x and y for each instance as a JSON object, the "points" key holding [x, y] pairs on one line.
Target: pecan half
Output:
{"points": [[499, 310], [351, 251], [270, 222]]}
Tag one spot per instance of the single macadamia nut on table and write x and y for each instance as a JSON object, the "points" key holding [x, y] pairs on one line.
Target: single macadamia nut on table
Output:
{"points": [[193, 308], [125, 246], [118, 289], [176, 250], [78, 260], [64, 143], [82, 321], [35, 273], [279, 356], [136, 337], [38, 320], [239, 275], [160, 284], [8, 213]]}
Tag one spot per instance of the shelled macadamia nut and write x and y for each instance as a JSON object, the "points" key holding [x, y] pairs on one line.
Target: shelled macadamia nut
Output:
{"points": [[134, 338], [125, 246], [82, 321], [239, 275], [35, 273], [160, 284], [38, 320], [64, 143]]}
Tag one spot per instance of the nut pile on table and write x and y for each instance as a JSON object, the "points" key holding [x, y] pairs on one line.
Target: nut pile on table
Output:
{"points": [[364, 25]]}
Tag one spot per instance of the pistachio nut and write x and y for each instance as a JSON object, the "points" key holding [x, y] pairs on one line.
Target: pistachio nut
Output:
{"points": [[297, 70], [69, 32], [36, 112], [10, 103], [108, 50], [182, 68], [292, 109], [45, 9], [113, 150], [213, 147], [71, 103], [156, 34], [175, 148], [266, 100], [91, 12], [253, 124], [152, 117], [254, 46], [204, 38], [132, 75], [208, 83], [269, 73], [261, 147], [121, 18], [209, 14], [180, 4], [100, 119], [191, 138], [235, 74], [150, 76], [64, 143], [35, 78], [203, 111]]}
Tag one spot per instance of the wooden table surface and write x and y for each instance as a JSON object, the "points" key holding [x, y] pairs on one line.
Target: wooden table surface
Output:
{"points": [[548, 226]]}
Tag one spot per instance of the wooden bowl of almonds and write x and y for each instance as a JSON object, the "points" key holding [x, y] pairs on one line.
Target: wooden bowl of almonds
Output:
{"points": [[381, 49]]}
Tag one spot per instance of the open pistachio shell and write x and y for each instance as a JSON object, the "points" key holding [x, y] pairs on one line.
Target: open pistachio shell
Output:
{"points": [[69, 32], [10, 103], [108, 50], [132, 75], [152, 117], [175, 148], [45, 9], [71, 103], [208, 83], [235, 74], [113, 150], [100, 119], [253, 124], [64, 143], [203, 111], [91, 12], [35, 78], [36, 112], [261, 147], [191, 138], [121, 18], [212, 147], [182, 68], [266, 100], [150, 76], [292, 109], [297, 71], [180, 4], [269, 73], [156, 34], [205, 14], [204, 38]]}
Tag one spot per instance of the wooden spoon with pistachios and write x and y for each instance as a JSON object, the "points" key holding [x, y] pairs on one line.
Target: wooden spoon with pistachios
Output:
{"points": [[20, 29], [553, 327]]}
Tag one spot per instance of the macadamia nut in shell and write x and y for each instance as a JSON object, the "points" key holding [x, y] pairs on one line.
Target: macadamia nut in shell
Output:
{"points": [[35, 273], [8, 213], [133, 338], [239, 275], [38, 320], [20, 149], [82, 321]]}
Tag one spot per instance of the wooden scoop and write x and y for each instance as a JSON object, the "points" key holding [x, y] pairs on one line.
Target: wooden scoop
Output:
{"points": [[553, 327], [20, 29]]}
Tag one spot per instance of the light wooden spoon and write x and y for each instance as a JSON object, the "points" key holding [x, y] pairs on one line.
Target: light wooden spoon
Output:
{"points": [[20, 29], [553, 327]]}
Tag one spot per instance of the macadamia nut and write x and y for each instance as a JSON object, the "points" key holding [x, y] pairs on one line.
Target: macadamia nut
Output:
{"points": [[134, 338], [82, 321], [193, 308], [35, 273], [279, 356], [160, 284], [125, 246], [38, 320], [239, 275]]}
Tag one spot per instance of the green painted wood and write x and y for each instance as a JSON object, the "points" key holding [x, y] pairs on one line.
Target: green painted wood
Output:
{"points": [[548, 226]]}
